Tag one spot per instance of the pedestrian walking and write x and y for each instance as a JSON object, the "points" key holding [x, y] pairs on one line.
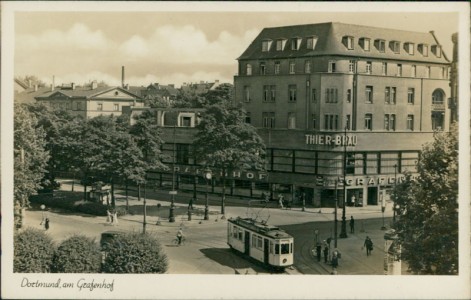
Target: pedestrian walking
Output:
{"points": [[318, 251], [190, 205], [352, 225], [115, 217], [335, 262], [46, 223], [280, 200], [326, 252], [108, 218], [368, 245]]}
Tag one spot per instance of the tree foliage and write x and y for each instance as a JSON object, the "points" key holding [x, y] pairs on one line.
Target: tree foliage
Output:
{"points": [[33, 251], [77, 254], [428, 209], [30, 158], [135, 253]]}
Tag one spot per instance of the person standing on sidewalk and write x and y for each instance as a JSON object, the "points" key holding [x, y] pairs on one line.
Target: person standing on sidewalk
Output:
{"points": [[46, 224], [352, 225], [318, 251], [326, 252], [368, 245], [190, 205], [280, 201], [335, 262]]}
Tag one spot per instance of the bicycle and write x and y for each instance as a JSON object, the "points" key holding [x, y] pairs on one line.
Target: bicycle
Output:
{"points": [[175, 241]]}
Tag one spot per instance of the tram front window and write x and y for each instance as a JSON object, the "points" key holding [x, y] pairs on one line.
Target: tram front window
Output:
{"points": [[285, 248]]}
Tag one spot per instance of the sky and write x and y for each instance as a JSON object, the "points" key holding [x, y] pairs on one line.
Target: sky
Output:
{"points": [[171, 47]]}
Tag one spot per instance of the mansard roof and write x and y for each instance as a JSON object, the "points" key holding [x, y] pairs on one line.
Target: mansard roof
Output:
{"points": [[330, 41]]}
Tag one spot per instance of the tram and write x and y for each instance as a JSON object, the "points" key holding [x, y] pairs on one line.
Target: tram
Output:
{"points": [[267, 244]]}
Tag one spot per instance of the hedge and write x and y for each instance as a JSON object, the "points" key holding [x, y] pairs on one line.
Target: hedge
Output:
{"points": [[92, 208], [135, 253], [77, 254], [33, 251]]}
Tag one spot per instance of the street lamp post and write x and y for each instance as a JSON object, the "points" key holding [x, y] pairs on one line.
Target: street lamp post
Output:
{"points": [[394, 198], [144, 223], [171, 217], [383, 208], [207, 177], [335, 212], [343, 230]]}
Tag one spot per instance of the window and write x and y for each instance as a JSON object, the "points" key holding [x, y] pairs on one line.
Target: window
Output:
{"points": [[100, 106], [331, 95], [295, 43], [347, 121], [262, 68], [395, 46], [273, 93], [314, 121], [390, 122], [291, 120], [248, 69], [437, 50], [393, 95], [266, 45], [185, 121], [351, 66], [369, 94], [348, 42], [331, 122], [409, 47], [247, 93], [413, 71], [331, 66], [443, 73], [284, 248], [399, 70], [292, 89], [268, 119], [314, 95], [307, 66], [410, 122], [311, 42], [365, 44], [67, 106], [437, 97], [269, 93], [387, 95], [349, 95], [248, 118], [410, 95], [423, 49], [368, 122], [380, 45], [292, 66], [116, 107], [78, 106], [280, 44], [384, 68], [277, 67], [368, 67]]}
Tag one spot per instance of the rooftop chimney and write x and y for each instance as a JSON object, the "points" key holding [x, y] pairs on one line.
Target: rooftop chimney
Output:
{"points": [[122, 76], [73, 86], [94, 84]]}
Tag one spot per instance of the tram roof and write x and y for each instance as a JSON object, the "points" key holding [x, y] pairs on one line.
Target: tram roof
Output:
{"points": [[260, 227]]}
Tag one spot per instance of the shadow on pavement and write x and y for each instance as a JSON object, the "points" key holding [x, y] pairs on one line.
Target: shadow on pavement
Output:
{"points": [[226, 257]]}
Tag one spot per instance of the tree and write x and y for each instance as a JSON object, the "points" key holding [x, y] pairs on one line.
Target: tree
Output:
{"points": [[221, 94], [224, 141], [31, 79], [30, 158], [427, 209]]}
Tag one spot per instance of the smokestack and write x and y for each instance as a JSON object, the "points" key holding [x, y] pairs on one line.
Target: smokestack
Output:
{"points": [[94, 84], [122, 76]]}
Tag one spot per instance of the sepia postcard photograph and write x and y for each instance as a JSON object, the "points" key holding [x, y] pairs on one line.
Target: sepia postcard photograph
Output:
{"points": [[235, 150]]}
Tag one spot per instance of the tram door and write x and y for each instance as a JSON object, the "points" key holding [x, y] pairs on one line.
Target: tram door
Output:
{"points": [[247, 243], [266, 245]]}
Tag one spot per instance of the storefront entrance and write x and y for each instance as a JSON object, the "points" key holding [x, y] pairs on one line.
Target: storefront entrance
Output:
{"points": [[372, 196]]}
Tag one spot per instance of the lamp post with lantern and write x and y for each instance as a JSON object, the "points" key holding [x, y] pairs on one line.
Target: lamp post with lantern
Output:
{"points": [[343, 228], [207, 176]]}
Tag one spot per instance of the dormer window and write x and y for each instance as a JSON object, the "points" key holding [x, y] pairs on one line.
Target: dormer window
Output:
{"points": [[347, 41], [423, 49], [409, 47], [248, 69], [295, 43], [280, 44], [365, 44], [380, 45], [395, 46], [266, 45], [437, 50], [311, 42]]}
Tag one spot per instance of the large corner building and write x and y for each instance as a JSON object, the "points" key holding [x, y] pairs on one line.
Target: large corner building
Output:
{"points": [[337, 99]]}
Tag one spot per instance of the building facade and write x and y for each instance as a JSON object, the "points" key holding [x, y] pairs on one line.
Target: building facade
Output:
{"points": [[90, 101], [336, 101]]}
